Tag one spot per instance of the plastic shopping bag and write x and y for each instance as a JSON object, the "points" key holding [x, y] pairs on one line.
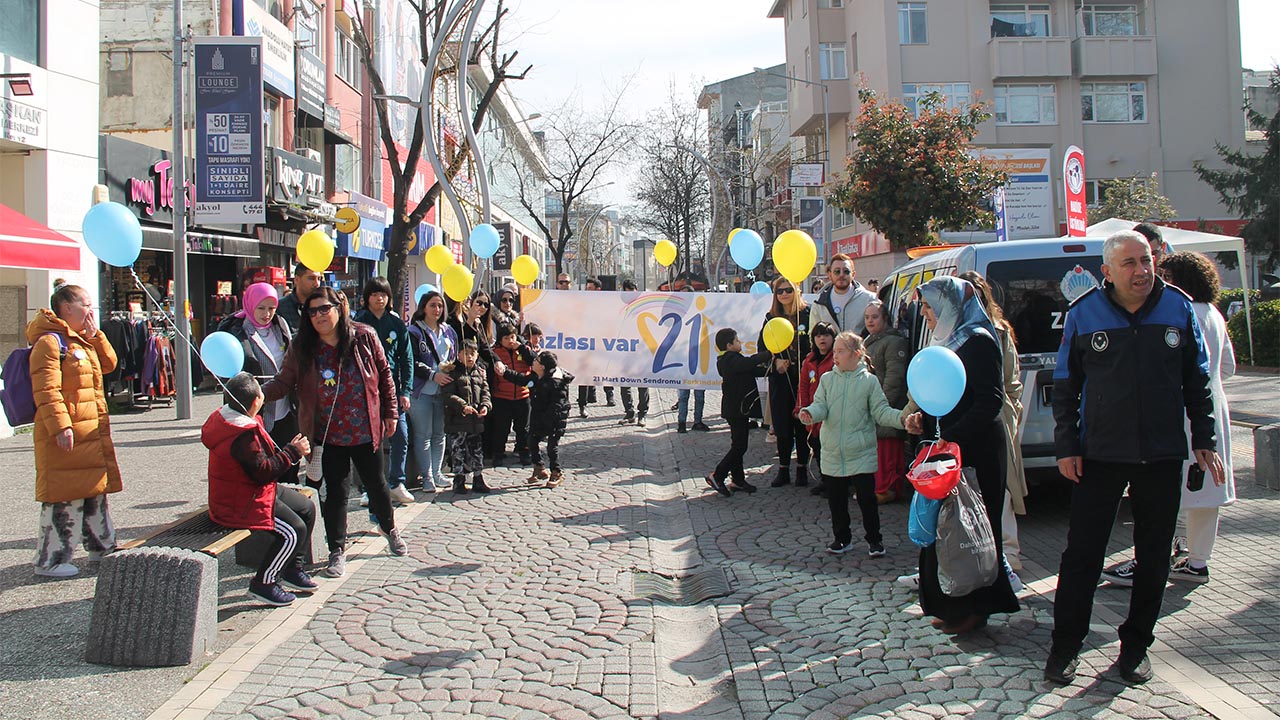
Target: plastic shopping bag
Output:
{"points": [[936, 469], [922, 522], [967, 554]]}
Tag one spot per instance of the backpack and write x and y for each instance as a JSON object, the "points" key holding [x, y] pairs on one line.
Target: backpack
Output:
{"points": [[17, 395]]}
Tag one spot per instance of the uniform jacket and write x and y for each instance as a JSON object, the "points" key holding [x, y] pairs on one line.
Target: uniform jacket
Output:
{"points": [[470, 388], [1124, 381], [68, 393], [548, 400], [395, 345], [889, 352], [738, 375], [850, 405], [299, 376], [520, 360], [243, 468], [849, 317], [811, 371]]}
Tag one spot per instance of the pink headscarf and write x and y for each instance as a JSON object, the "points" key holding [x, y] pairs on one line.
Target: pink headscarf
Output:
{"points": [[253, 296]]}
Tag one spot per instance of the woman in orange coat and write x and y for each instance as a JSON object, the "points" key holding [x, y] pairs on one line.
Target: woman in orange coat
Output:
{"points": [[75, 459]]}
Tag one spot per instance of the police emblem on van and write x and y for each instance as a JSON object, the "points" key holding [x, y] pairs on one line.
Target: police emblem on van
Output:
{"points": [[1172, 337], [1099, 342]]}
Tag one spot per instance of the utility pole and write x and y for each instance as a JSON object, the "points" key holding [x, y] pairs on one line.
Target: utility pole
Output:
{"points": [[178, 176]]}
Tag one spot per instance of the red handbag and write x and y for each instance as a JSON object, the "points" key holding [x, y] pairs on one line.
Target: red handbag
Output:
{"points": [[936, 469]]}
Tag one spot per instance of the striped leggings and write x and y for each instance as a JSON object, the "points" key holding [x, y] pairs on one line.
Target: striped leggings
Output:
{"points": [[295, 517]]}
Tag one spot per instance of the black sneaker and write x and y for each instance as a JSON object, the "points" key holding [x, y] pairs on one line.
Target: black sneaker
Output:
{"points": [[628, 420], [478, 485], [1183, 572], [743, 486], [681, 429], [717, 484], [1120, 574], [582, 411], [640, 420], [298, 579], [701, 427], [784, 477], [819, 490], [839, 548], [460, 485], [1060, 669], [271, 594], [1134, 669], [875, 550]]}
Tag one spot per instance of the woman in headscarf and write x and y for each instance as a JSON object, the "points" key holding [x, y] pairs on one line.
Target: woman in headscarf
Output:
{"points": [[953, 312], [506, 311], [784, 383], [265, 336]]}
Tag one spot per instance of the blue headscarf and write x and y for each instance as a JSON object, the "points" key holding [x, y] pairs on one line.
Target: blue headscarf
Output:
{"points": [[959, 311]]}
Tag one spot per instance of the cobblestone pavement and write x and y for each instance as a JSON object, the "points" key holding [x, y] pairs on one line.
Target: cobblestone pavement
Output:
{"points": [[521, 604]]}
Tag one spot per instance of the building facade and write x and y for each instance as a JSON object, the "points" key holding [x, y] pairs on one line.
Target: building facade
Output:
{"points": [[1128, 82]]}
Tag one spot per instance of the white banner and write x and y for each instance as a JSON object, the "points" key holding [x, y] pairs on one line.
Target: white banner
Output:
{"points": [[652, 339]]}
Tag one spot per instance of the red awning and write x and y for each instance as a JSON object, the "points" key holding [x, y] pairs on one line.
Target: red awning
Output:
{"points": [[25, 243]]}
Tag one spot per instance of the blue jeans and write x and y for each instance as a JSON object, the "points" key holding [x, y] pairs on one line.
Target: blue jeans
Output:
{"points": [[426, 413], [399, 442], [682, 403]]}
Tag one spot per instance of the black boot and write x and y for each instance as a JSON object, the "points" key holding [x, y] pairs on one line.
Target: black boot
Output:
{"points": [[460, 484], [784, 476], [802, 475], [477, 484]]}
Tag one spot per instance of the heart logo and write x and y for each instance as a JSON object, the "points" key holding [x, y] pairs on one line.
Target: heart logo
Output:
{"points": [[642, 325]]}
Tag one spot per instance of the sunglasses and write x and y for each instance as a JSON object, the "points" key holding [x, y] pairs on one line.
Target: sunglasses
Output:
{"points": [[315, 310], [783, 291], [482, 303], [842, 271], [562, 282], [506, 301]]}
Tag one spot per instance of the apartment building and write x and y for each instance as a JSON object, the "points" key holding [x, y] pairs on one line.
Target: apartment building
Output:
{"points": [[1144, 86]]}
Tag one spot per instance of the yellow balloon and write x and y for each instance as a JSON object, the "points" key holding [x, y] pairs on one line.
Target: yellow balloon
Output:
{"points": [[525, 270], [665, 252], [794, 255], [458, 282], [315, 250], [438, 259], [778, 334], [732, 232]]}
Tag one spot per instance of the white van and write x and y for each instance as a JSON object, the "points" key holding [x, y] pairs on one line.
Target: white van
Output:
{"points": [[1034, 281]]}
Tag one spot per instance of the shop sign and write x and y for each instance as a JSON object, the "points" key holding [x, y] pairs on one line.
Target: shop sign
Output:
{"points": [[155, 192], [807, 175], [333, 119], [456, 247], [419, 240], [276, 238], [368, 241], [1073, 184], [311, 84], [296, 180], [229, 153], [22, 124], [252, 20], [502, 258]]}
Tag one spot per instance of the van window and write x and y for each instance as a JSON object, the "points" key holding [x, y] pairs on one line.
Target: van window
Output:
{"points": [[1034, 296]]}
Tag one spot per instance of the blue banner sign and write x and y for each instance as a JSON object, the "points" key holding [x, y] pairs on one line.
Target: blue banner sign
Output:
{"points": [[230, 183], [367, 242]]}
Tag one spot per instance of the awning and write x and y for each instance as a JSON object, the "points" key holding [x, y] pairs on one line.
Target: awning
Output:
{"points": [[26, 244]]}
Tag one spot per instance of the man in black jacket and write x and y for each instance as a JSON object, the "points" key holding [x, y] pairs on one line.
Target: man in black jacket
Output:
{"points": [[1131, 365], [738, 382], [305, 282]]}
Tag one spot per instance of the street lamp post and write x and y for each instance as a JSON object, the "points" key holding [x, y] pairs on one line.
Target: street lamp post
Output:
{"points": [[826, 155]]}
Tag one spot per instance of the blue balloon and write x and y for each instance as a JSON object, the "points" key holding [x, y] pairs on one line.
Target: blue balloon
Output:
{"points": [[747, 249], [423, 289], [760, 287], [936, 380], [484, 240], [223, 354], [113, 234]]}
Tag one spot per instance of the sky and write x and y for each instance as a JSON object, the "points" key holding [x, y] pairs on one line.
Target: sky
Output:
{"points": [[588, 48]]}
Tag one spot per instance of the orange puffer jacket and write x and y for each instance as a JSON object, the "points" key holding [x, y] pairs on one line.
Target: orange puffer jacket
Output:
{"points": [[68, 394]]}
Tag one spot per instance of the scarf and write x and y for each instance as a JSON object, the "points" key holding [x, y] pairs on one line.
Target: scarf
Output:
{"points": [[253, 296], [959, 312]]}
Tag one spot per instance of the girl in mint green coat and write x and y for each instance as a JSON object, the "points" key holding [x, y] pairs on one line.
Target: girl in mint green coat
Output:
{"points": [[849, 404]]}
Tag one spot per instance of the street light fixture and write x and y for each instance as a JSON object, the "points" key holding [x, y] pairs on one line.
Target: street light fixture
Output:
{"points": [[402, 99], [826, 155], [19, 84]]}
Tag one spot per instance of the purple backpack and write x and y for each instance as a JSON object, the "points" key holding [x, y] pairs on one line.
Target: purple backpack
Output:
{"points": [[17, 395]]}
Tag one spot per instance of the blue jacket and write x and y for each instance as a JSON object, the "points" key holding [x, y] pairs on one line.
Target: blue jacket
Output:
{"points": [[1124, 381]]}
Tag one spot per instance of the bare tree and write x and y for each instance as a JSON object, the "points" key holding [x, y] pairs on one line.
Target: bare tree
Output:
{"points": [[672, 186], [485, 49], [579, 149]]}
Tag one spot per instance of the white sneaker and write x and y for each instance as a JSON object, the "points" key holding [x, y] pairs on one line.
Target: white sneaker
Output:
{"points": [[912, 581], [401, 494], [61, 570]]}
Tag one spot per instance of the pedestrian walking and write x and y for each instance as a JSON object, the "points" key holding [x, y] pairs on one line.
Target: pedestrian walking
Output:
{"points": [[346, 405], [850, 404], [738, 375], [434, 345], [466, 404], [587, 393], [391, 330], [549, 413], [1131, 365], [75, 457], [631, 413]]}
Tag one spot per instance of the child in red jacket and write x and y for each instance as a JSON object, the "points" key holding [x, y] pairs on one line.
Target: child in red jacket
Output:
{"points": [[244, 465], [815, 365]]}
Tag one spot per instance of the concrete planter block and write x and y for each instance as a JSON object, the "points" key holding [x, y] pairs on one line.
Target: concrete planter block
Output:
{"points": [[153, 607], [1266, 456]]}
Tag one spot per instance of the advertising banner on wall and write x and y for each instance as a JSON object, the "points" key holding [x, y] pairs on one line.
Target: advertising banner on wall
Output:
{"points": [[503, 257], [1073, 182], [1028, 198], [651, 339], [229, 153], [367, 241], [812, 211], [1002, 227], [250, 19], [311, 80]]}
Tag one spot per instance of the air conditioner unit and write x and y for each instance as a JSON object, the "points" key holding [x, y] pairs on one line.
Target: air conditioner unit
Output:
{"points": [[310, 153]]}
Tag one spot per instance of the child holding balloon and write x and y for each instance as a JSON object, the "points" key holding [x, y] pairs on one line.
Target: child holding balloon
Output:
{"points": [[849, 403]]}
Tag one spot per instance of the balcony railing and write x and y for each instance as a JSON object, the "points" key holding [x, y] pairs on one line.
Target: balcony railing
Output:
{"points": [[1114, 55], [1018, 57]]}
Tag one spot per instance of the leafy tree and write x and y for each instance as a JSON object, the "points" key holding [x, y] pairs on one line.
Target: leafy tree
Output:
{"points": [[913, 175], [1252, 188], [1134, 198]]}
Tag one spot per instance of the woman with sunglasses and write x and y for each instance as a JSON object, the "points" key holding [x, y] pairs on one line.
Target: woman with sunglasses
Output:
{"points": [[472, 319], [507, 311], [347, 405], [784, 383]]}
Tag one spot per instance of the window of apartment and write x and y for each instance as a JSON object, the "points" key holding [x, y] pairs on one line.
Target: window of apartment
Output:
{"points": [[306, 26], [20, 31], [1110, 19], [1113, 102], [272, 122], [830, 4], [308, 138], [348, 58], [841, 218], [1019, 20], [1026, 104], [912, 26], [954, 95], [831, 57], [346, 168]]}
